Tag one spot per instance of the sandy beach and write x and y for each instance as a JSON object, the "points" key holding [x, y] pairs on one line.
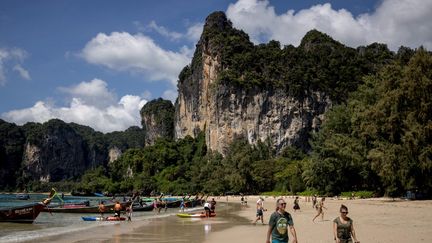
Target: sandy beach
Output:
{"points": [[375, 220]]}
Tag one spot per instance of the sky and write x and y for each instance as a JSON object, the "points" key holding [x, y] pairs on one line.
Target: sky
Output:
{"points": [[97, 62]]}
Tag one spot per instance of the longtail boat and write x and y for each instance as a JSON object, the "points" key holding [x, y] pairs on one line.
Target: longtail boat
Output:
{"points": [[138, 207], [25, 213], [21, 214], [82, 208]]}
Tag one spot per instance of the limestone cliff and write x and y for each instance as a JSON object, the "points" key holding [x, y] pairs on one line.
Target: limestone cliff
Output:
{"points": [[53, 153], [226, 110], [12, 141], [157, 119]]}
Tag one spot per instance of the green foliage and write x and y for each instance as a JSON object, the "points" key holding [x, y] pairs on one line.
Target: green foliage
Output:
{"points": [[161, 114], [274, 194], [96, 180], [60, 186], [133, 137], [358, 194], [375, 139], [11, 149], [381, 139], [289, 175], [318, 64]]}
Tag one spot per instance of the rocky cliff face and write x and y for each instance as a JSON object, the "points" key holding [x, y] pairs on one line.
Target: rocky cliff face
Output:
{"points": [[157, 119], [12, 141], [55, 151], [226, 110], [58, 153]]}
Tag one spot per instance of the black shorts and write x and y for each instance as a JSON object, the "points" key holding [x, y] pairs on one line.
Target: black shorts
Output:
{"points": [[259, 212]]}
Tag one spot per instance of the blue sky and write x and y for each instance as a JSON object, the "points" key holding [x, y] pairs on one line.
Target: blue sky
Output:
{"points": [[98, 62]]}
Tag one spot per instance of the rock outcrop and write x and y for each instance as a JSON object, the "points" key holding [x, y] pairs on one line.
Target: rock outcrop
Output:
{"points": [[57, 152], [226, 110], [157, 120], [12, 142]]}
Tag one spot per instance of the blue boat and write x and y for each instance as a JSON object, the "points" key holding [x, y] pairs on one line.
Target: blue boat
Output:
{"points": [[22, 196], [110, 218]]}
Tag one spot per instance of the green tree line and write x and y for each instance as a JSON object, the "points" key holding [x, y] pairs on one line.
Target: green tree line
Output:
{"points": [[378, 140]]}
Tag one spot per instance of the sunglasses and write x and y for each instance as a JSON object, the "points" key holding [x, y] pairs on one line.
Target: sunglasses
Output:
{"points": [[282, 203], [344, 212]]}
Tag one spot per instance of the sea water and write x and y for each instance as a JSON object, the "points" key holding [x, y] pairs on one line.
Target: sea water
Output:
{"points": [[52, 224]]}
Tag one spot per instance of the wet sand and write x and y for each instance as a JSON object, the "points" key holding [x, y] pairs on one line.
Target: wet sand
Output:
{"points": [[166, 227], [377, 220]]}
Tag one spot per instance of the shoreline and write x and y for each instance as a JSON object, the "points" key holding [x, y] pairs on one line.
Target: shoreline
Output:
{"points": [[382, 220]]}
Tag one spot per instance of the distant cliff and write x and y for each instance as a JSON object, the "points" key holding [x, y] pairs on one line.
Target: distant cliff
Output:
{"points": [[233, 88], [55, 151], [12, 142], [157, 120]]}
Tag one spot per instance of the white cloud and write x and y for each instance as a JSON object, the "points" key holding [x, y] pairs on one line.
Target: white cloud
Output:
{"points": [[91, 104], [147, 95], [170, 95], [94, 92], [164, 31], [135, 53], [396, 23], [194, 32], [22, 72], [11, 58]]}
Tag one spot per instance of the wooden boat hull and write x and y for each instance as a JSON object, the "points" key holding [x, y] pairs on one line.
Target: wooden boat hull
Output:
{"points": [[70, 203], [83, 209], [21, 214], [143, 208]]}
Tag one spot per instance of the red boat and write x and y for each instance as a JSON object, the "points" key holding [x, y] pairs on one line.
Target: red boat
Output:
{"points": [[21, 214]]}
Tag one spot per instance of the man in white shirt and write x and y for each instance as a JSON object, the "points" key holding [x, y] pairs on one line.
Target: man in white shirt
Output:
{"points": [[260, 210]]}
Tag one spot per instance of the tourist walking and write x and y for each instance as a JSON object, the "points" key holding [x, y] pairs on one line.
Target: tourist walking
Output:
{"points": [[102, 208], [155, 206], [343, 227], [296, 204], [260, 210], [212, 205], [279, 223], [129, 212], [182, 205], [207, 209], [320, 210]]}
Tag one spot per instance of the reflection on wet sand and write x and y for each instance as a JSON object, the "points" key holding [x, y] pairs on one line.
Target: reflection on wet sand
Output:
{"points": [[161, 229]]}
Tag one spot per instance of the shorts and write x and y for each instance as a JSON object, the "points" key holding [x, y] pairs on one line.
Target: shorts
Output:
{"points": [[259, 212], [278, 241]]}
